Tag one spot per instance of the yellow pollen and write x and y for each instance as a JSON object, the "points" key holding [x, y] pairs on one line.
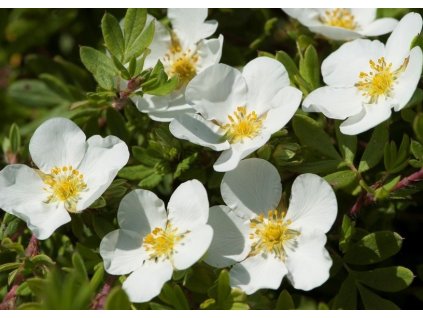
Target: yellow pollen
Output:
{"points": [[64, 184], [243, 125], [272, 234], [380, 80], [160, 243], [341, 18]]}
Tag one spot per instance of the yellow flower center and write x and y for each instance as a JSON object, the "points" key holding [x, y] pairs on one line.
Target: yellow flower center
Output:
{"points": [[380, 80], [243, 125], [64, 184], [341, 18], [270, 235], [160, 243]]}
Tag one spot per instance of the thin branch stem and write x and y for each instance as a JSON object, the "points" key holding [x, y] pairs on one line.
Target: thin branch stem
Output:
{"points": [[100, 298]]}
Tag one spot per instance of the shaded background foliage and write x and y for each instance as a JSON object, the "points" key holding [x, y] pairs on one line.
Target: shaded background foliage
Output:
{"points": [[375, 243]]}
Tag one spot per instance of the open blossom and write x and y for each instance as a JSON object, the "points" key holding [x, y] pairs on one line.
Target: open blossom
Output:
{"points": [[72, 173], [185, 52], [151, 242], [237, 111], [366, 79], [264, 242], [343, 24]]}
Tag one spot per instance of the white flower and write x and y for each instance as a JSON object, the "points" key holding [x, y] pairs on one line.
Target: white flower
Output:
{"points": [[73, 173], [184, 51], [265, 243], [367, 78], [238, 112], [343, 24], [151, 242]]}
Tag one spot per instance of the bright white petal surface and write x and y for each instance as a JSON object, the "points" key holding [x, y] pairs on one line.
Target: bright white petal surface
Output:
{"points": [[160, 44], [190, 25], [147, 103], [334, 102], [364, 16], [196, 129], [398, 44], [210, 52], [379, 27], [335, 33], [122, 252], [170, 113], [306, 17], [371, 116], [193, 246], [342, 67], [309, 263], [408, 80], [22, 194], [258, 272], [230, 243], [313, 204], [253, 187], [188, 206], [217, 91], [57, 142], [101, 163], [146, 282], [141, 211], [265, 77]]}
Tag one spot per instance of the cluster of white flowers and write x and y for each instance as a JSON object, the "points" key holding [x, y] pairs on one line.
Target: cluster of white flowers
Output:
{"points": [[236, 112]]}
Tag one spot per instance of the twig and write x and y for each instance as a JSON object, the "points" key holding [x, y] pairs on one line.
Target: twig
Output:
{"points": [[100, 298]]}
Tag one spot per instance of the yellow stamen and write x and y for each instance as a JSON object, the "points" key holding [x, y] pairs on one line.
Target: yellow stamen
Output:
{"points": [[160, 243], [341, 18]]}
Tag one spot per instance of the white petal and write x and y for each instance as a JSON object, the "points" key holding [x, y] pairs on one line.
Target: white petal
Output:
{"points": [[253, 187], [371, 116], [188, 206], [285, 104], [334, 102], [313, 203], [170, 113], [379, 27], [122, 252], [305, 16], [265, 77], [335, 33], [192, 247], [398, 44], [229, 159], [231, 242], [160, 44], [196, 129], [101, 163], [258, 272], [147, 281], [210, 52], [148, 103], [57, 142], [408, 80], [190, 25], [22, 194], [141, 211], [309, 263], [342, 67], [364, 16], [217, 91]]}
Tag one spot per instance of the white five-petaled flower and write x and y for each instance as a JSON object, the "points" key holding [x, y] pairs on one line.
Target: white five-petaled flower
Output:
{"points": [[151, 242], [185, 52], [343, 24], [366, 79], [262, 242], [72, 173], [238, 112]]}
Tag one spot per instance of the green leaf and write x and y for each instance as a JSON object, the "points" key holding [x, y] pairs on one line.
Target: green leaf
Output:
{"points": [[341, 179], [151, 181], [42, 259], [9, 266], [289, 64], [101, 66], [15, 138], [388, 279], [347, 296], [135, 173], [313, 136], [134, 23], [347, 232], [118, 300], [374, 248], [374, 150], [113, 36], [371, 301], [116, 124], [347, 145], [184, 165], [284, 301], [135, 47], [173, 295], [79, 265], [310, 67], [418, 127]]}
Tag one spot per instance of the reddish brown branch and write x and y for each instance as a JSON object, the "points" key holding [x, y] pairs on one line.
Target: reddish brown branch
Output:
{"points": [[100, 298]]}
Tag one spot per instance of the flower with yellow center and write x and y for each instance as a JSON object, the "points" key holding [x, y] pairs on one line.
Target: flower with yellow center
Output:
{"points": [[72, 173], [343, 24], [367, 79], [152, 242], [261, 248], [237, 112]]}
